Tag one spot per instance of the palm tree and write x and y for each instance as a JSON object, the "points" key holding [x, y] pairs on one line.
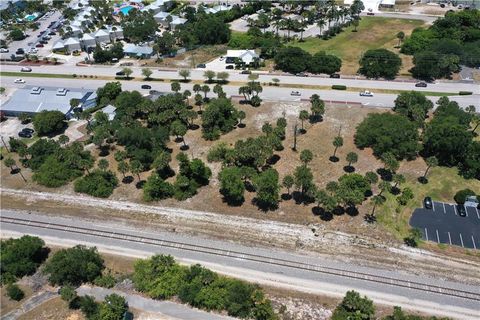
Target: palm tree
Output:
{"points": [[337, 143], [400, 37], [320, 23], [431, 162], [377, 201]]}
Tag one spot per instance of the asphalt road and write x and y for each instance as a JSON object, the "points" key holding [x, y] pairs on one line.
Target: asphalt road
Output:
{"points": [[381, 100], [306, 280], [197, 74]]}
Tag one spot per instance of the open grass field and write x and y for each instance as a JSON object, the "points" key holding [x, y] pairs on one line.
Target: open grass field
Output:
{"points": [[373, 33]]}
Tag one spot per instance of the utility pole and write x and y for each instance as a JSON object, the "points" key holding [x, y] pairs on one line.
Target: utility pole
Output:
{"points": [[5, 145]]}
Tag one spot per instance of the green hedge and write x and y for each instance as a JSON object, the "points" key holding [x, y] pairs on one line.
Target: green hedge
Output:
{"points": [[339, 87], [465, 93]]}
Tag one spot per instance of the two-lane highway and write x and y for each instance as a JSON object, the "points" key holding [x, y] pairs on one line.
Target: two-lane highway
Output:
{"points": [[267, 266]]}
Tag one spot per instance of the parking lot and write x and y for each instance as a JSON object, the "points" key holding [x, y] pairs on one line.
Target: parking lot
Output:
{"points": [[442, 224]]}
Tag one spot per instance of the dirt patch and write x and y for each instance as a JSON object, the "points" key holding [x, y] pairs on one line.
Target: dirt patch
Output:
{"points": [[53, 309], [7, 305], [189, 59]]}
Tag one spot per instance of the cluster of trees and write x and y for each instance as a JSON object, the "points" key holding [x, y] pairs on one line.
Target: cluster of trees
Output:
{"points": [[295, 60], [448, 137], [161, 277], [219, 117], [439, 50], [21, 257], [49, 122], [113, 306], [246, 167], [267, 42], [98, 183], [139, 26], [16, 34], [380, 63], [251, 90], [101, 56]]}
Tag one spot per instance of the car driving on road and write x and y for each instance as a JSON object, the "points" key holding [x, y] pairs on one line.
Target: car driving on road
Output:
{"points": [[19, 81], [26, 69], [421, 85], [366, 93], [295, 93], [146, 86]]}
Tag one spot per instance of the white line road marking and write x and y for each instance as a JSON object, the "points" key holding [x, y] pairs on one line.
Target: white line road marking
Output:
{"points": [[474, 245], [478, 215], [461, 239], [438, 238], [426, 233], [455, 209], [444, 211], [466, 211], [433, 206], [449, 238]]}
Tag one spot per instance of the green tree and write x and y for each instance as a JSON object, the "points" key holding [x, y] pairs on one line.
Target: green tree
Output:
{"points": [[241, 116], [146, 72], [10, 162], [231, 185], [97, 183], [103, 164], [351, 189], [292, 59], [156, 188], [304, 180], [184, 73], [413, 105], [352, 157], [223, 76], [400, 37], [376, 201], [303, 115], [398, 179], [209, 75], [49, 122], [74, 266], [123, 167], [63, 139], [175, 86], [371, 177], [127, 72], [16, 34], [324, 200], [288, 182], [113, 308], [414, 237], [267, 187], [380, 63], [219, 117], [317, 106], [390, 162], [306, 156], [324, 63], [136, 167], [353, 306], [68, 293], [337, 143], [14, 292], [205, 90]]}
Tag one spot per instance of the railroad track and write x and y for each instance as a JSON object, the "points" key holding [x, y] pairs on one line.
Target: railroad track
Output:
{"points": [[247, 256]]}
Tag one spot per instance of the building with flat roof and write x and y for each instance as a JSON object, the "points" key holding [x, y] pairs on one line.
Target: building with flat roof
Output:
{"points": [[246, 56], [32, 100]]}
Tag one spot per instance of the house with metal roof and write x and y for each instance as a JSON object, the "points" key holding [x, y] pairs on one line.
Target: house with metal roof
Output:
{"points": [[72, 44], [32, 100], [177, 21], [134, 51], [246, 56], [161, 17], [87, 41], [102, 35]]}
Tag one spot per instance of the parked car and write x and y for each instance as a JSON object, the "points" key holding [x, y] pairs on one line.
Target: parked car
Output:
{"points": [[366, 93], [120, 73], [246, 72], [462, 212], [47, 37], [3, 50], [154, 92], [428, 203], [39, 45], [28, 130], [230, 67], [201, 65], [146, 86], [421, 85], [335, 76], [43, 41], [20, 51], [23, 134], [370, 14], [301, 74], [51, 33], [26, 69], [19, 81], [295, 93]]}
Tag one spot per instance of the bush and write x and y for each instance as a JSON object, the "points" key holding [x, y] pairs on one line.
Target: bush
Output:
{"points": [[461, 196], [339, 87], [465, 93], [14, 292], [105, 281], [98, 183]]}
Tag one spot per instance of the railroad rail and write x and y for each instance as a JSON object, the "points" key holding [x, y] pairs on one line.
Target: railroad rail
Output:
{"points": [[475, 296]]}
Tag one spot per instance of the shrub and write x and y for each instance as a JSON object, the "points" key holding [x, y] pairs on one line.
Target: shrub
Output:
{"points": [[461, 196], [49, 122], [465, 93], [339, 87], [98, 183], [14, 292], [106, 281]]}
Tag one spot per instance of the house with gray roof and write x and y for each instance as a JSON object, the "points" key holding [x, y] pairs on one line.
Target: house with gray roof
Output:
{"points": [[134, 51]]}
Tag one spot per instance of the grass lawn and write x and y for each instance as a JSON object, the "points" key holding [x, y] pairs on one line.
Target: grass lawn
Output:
{"points": [[442, 186], [373, 33], [36, 75]]}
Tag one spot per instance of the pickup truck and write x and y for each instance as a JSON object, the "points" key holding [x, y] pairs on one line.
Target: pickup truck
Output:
{"points": [[366, 93]]}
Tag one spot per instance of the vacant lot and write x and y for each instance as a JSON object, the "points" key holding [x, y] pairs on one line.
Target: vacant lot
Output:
{"points": [[373, 33], [189, 59]]}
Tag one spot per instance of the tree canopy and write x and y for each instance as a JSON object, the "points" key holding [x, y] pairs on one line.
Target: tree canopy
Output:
{"points": [[49, 122], [380, 63]]}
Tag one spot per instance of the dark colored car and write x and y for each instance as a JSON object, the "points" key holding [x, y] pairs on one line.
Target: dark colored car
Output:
{"points": [[120, 73], [43, 41], [20, 51], [230, 66], [39, 45], [302, 74], [335, 76], [146, 86], [201, 65], [246, 72], [28, 130], [462, 212], [23, 134], [427, 203], [51, 33], [421, 85]]}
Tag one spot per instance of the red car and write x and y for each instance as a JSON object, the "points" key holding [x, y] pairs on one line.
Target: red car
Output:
{"points": [[39, 45]]}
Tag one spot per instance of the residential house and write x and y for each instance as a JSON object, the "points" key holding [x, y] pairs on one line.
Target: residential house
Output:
{"points": [[87, 41], [246, 56], [116, 32], [161, 17], [177, 21], [135, 51], [217, 9], [72, 44], [102, 35], [59, 45]]}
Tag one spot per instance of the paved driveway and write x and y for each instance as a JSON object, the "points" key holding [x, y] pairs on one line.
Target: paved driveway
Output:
{"points": [[442, 224]]}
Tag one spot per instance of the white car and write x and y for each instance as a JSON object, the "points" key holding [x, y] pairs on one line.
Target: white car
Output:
{"points": [[3, 50], [19, 81], [295, 93], [366, 93]]}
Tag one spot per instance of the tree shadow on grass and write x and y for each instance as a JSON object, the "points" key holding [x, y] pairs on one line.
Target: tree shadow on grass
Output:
{"points": [[349, 169], [352, 211], [300, 198], [15, 171], [422, 180], [194, 127], [232, 202], [338, 211], [104, 151], [265, 207], [273, 159], [140, 184], [241, 125], [127, 179], [385, 174], [286, 196], [333, 159], [184, 147], [370, 218]]}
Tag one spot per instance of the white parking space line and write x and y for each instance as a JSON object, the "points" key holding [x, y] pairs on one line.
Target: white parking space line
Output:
{"points": [[474, 245], [444, 211], [478, 214], [455, 209], [433, 206], [426, 233], [449, 238], [438, 238], [461, 240]]}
